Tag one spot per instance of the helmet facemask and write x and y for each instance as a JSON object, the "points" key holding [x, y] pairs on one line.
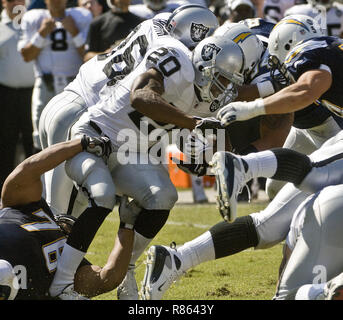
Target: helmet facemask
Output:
{"points": [[279, 72], [219, 87]]}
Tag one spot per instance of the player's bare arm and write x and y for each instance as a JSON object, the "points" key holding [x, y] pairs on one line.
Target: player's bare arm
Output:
{"points": [[146, 97], [247, 92], [30, 51], [309, 87], [23, 185]]}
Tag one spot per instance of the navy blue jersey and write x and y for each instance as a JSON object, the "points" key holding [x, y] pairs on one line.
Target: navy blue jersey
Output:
{"points": [[260, 27], [312, 54], [30, 238]]}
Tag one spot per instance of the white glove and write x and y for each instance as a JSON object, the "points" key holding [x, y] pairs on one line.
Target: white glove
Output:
{"points": [[240, 111]]}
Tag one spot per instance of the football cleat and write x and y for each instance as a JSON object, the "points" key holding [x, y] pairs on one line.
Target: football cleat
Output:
{"points": [[230, 178], [333, 289], [68, 293], [128, 290], [163, 267]]}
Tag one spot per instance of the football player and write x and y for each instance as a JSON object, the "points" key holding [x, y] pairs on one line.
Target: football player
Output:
{"points": [[32, 238], [64, 109], [54, 38]]}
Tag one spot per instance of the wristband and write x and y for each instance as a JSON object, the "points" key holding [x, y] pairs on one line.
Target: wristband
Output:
{"points": [[123, 225], [265, 88], [258, 107], [79, 40], [38, 41]]}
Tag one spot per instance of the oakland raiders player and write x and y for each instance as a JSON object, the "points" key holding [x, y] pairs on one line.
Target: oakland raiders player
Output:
{"points": [[327, 12], [32, 238], [54, 38], [274, 10], [64, 109]]}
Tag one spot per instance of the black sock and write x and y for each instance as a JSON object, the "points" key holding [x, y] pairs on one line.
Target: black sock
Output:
{"points": [[292, 166], [231, 238], [150, 222], [86, 226]]}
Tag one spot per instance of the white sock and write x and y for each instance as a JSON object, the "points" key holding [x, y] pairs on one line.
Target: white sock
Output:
{"points": [[66, 268], [261, 164], [197, 251], [139, 245], [309, 291]]}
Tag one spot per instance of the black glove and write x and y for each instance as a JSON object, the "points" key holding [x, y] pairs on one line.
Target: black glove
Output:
{"points": [[207, 123], [278, 83], [191, 168], [100, 146]]}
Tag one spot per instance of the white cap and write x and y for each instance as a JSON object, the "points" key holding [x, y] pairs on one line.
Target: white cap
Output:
{"points": [[8, 278], [233, 4]]}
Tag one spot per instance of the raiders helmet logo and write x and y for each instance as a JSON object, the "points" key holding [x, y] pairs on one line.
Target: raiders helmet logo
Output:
{"points": [[214, 105], [207, 51], [198, 31]]}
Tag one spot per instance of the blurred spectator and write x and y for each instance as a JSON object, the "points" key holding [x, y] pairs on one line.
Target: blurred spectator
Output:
{"points": [[40, 4], [237, 10], [110, 27], [16, 83], [54, 38], [274, 10], [150, 8], [96, 7]]}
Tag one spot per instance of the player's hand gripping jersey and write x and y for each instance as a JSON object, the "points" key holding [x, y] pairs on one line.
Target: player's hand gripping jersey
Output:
{"points": [[109, 68], [118, 119]]}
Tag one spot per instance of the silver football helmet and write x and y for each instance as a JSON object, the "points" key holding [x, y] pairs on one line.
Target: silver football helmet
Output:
{"points": [[286, 34], [155, 5], [191, 23], [8, 281], [251, 45], [218, 64]]}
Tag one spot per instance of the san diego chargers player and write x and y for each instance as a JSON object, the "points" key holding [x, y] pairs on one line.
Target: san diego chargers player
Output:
{"points": [[259, 230], [328, 13], [32, 237], [54, 38]]}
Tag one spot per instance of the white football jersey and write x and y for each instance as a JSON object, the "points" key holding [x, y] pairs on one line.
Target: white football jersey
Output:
{"points": [[119, 120], [330, 20], [143, 11], [274, 10], [108, 68], [60, 57]]}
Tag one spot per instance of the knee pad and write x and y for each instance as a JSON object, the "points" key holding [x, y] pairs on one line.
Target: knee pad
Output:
{"points": [[92, 175], [159, 198]]}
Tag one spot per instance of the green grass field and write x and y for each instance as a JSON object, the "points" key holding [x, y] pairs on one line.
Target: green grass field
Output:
{"points": [[249, 275]]}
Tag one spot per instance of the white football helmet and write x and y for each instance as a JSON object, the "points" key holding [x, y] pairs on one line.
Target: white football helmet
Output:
{"points": [[218, 64], [286, 34], [191, 23], [251, 45], [8, 281], [155, 5]]}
